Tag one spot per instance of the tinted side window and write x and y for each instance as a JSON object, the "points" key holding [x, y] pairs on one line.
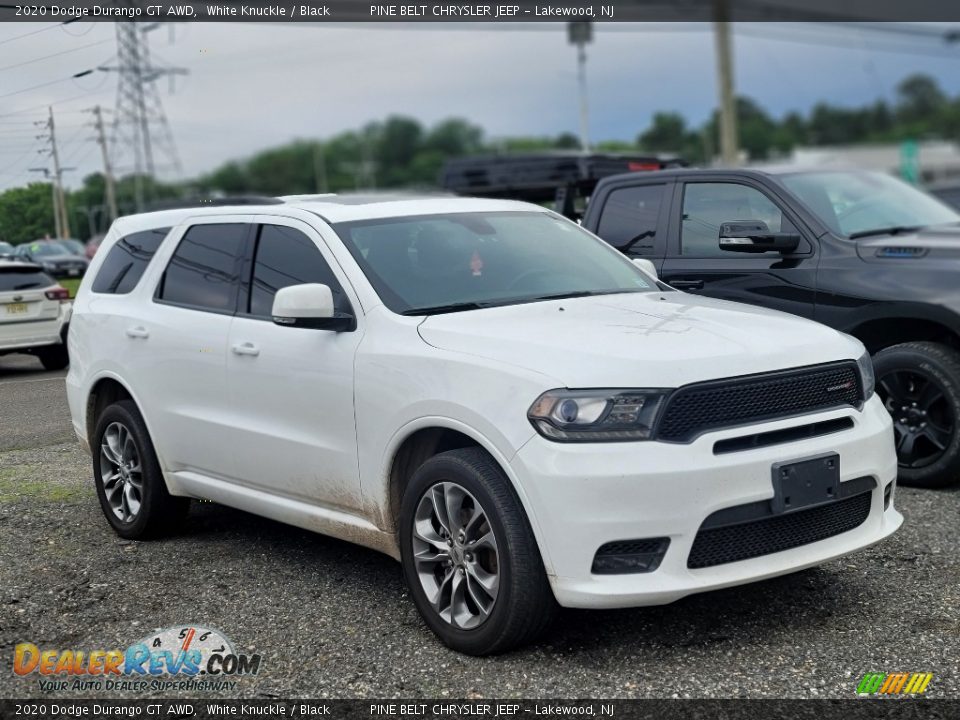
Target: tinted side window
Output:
{"points": [[204, 270], [127, 260], [23, 279], [629, 218], [707, 205], [285, 256]]}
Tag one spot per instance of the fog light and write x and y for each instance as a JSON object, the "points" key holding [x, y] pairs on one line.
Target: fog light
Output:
{"points": [[630, 556]]}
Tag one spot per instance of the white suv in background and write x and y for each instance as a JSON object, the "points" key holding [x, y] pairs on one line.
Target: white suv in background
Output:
{"points": [[480, 389], [34, 314]]}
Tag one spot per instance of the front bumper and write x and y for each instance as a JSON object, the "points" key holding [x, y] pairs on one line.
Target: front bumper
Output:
{"points": [[583, 496]]}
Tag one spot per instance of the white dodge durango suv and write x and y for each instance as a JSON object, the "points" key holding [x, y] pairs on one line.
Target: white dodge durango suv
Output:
{"points": [[482, 390]]}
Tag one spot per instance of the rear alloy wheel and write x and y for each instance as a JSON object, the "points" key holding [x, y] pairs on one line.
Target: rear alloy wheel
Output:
{"points": [[919, 384], [130, 484], [469, 555]]}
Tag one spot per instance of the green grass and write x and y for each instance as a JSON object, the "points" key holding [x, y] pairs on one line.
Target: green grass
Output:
{"points": [[13, 486], [71, 284]]}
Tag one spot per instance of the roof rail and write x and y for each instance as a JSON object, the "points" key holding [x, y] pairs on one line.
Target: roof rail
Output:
{"points": [[179, 203]]}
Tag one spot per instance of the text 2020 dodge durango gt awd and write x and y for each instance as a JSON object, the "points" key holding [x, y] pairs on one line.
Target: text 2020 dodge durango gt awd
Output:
{"points": [[479, 388]]}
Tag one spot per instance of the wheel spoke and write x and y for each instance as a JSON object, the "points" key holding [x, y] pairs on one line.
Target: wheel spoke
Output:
{"points": [[439, 507], [453, 497], [940, 438], [490, 582], [929, 394], [905, 445]]}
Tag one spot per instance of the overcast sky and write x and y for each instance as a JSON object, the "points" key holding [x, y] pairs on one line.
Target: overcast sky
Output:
{"points": [[254, 86]]}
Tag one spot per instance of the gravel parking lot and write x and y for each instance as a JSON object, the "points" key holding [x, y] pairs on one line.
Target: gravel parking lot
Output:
{"points": [[334, 620]]}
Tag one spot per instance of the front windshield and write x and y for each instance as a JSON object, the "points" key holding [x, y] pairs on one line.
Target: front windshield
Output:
{"points": [[440, 263], [855, 202]]}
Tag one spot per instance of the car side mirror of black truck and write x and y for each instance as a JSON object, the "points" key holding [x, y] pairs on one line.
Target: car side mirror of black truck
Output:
{"points": [[753, 236]]}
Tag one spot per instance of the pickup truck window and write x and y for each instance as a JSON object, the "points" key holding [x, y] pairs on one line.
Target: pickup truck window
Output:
{"points": [[629, 218], [707, 205]]}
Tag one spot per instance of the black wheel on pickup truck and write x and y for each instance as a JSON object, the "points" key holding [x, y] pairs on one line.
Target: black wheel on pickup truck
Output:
{"points": [[919, 383]]}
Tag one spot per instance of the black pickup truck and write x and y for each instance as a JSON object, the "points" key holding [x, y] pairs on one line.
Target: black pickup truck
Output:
{"points": [[860, 251]]}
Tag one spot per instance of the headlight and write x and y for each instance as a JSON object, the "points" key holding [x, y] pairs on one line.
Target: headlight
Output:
{"points": [[49, 267], [867, 377], [596, 415]]}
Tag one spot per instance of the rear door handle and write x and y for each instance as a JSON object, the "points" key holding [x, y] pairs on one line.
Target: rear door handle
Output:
{"points": [[686, 284], [246, 349], [137, 332]]}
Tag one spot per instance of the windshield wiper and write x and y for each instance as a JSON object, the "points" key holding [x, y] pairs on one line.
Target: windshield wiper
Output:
{"points": [[449, 308], [891, 230], [564, 296]]}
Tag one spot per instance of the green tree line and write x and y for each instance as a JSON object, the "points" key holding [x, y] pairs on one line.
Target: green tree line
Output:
{"points": [[400, 152]]}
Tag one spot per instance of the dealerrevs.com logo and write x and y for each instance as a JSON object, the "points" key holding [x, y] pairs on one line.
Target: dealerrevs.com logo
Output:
{"points": [[175, 658], [894, 683]]}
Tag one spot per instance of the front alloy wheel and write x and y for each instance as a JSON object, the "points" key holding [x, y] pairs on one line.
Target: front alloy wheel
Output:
{"points": [[469, 555], [121, 472], [455, 551]]}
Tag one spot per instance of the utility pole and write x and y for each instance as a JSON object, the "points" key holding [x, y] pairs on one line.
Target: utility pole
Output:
{"points": [[60, 200], [107, 170], [580, 33], [58, 174], [729, 150], [55, 200]]}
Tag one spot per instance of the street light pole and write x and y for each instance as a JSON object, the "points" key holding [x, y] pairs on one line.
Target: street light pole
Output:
{"points": [[580, 33]]}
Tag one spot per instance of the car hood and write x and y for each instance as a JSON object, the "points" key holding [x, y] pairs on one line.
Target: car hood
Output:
{"points": [[933, 244], [651, 339]]}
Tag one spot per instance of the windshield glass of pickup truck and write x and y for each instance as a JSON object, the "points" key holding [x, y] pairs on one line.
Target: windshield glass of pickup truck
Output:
{"points": [[855, 203], [444, 263]]}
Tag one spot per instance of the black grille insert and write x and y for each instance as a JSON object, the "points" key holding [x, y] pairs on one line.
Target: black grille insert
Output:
{"points": [[630, 556], [696, 408], [730, 543]]}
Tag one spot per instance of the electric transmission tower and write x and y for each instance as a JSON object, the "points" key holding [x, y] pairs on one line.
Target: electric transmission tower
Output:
{"points": [[141, 133]]}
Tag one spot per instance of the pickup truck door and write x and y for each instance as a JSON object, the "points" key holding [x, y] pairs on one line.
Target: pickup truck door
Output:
{"points": [[695, 263], [633, 217]]}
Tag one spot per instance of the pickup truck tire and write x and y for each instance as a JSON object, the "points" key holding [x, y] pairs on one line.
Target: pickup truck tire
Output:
{"points": [[53, 357], [130, 485], [452, 568], [919, 383]]}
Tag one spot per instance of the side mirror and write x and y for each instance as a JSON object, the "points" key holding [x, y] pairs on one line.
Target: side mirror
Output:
{"points": [[309, 306], [647, 266], [753, 236]]}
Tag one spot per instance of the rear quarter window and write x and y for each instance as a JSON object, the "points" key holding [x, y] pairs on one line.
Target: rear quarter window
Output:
{"points": [[21, 278], [127, 261]]}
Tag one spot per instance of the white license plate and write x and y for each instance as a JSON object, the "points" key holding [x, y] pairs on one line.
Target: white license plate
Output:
{"points": [[73, 272], [16, 308]]}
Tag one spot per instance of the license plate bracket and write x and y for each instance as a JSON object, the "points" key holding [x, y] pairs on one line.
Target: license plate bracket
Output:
{"points": [[803, 483]]}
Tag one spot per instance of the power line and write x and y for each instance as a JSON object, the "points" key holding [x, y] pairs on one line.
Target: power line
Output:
{"points": [[32, 32], [82, 73], [53, 55]]}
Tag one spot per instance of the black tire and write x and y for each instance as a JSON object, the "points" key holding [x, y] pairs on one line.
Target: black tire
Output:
{"points": [[524, 605], [53, 357], [908, 375], [159, 511]]}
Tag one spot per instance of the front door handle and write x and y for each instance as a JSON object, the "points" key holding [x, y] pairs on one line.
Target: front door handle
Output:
{"points": [[138, 332], [686, 284], [246, 349]]}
